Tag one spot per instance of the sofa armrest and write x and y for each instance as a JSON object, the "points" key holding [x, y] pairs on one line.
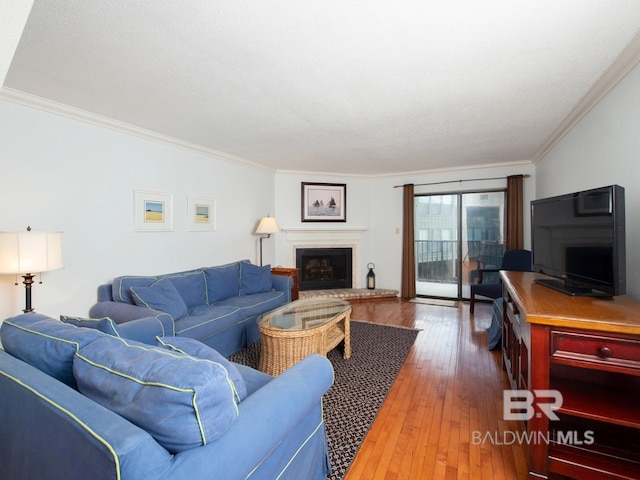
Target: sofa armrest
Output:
{"points": [[105, 292], [288, 406], [143, 330], [124, 312], [283, 284]]}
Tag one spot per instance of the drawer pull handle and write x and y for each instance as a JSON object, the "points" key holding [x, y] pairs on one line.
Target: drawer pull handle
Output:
{"points": [[605, 352]]}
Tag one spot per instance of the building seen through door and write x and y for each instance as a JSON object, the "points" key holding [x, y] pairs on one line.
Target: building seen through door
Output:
{"points": [[455, 234]]}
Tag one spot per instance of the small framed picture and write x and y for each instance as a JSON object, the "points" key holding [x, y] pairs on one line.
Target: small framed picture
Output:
{"points": [[324, 202], [201, 214], [590, 204], [152, 211]]}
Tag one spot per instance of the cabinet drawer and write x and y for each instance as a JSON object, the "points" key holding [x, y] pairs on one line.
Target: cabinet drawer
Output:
{"points": [[598, 349], [513, 312]]}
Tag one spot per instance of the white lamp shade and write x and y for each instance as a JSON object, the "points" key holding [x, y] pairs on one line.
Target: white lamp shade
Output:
{"points": [[30, 252], [267, 226]]}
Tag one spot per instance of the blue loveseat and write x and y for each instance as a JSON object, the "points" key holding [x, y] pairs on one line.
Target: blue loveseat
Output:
{"points": [[217, 305], [77, 403]]}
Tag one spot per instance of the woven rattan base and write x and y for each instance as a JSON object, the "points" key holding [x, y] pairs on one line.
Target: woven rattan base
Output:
{"points": [[282, 348]]}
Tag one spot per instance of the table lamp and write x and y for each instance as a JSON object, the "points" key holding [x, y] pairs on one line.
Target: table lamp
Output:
{"points": [[29, 253]]}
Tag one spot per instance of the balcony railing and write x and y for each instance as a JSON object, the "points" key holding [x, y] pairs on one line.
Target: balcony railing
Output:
{"points": [[436, 260]]}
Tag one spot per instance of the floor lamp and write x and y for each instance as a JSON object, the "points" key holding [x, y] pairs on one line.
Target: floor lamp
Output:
{"points": [[29, 253], [267, 226]]}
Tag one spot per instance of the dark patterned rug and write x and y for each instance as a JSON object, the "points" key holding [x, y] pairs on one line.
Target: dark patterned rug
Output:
{"points": [[361, 385]]}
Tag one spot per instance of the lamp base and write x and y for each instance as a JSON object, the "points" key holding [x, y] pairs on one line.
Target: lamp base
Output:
{"points": [[262, 238], [28, 282]]}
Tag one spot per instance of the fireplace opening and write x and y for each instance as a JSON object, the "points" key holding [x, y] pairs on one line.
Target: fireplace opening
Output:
{"points": [[324, 268]]}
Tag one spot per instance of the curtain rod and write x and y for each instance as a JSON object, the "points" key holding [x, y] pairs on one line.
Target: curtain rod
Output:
{"points": [[526, 175]]}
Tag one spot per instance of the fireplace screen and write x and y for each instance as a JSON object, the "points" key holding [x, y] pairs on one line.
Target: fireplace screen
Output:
{"points": [[324, 268]]}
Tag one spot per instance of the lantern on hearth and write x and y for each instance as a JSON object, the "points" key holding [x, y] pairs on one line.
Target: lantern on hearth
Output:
{"points": [[371, 277]]}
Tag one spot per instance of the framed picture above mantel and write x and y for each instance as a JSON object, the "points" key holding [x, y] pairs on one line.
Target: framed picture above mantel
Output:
{"points": [[324, 202]]}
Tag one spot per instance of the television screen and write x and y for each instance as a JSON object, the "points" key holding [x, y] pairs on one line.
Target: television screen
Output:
{"points": [[579, 239]]}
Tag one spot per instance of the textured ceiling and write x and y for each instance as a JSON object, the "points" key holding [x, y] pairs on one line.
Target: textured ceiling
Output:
{"points": [[355, 87]]}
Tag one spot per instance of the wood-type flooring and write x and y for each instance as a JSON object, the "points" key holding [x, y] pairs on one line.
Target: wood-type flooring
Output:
{"points": [[443, 417]]}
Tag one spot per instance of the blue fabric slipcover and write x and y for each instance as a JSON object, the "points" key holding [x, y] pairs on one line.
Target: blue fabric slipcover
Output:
{"points": [[495, 329], [162, 296], [254, 279], [48, 346], [50, 430], [143, 330], [199, 350], [182, 402], [105, 325], [217, 305]]}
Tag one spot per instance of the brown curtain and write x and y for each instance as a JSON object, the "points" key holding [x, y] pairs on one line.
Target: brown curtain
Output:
{"points": [[408, 253], [515, 213]]}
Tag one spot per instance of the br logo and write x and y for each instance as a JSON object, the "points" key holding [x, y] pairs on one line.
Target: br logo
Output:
{"points": [[521, 404]]}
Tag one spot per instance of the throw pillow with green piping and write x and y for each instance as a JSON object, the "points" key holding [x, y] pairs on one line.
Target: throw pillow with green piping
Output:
{"points": [[181, 401], [197, 349], [105, 325], [255, 279], [162, 296]]}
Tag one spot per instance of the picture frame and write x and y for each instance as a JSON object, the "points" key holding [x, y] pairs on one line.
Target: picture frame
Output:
{"points": [[152, 211], [324, 202], [590, 204], [201, 214]]}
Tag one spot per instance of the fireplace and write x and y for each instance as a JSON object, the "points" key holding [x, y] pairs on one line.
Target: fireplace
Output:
{"points": [[324, 268]]}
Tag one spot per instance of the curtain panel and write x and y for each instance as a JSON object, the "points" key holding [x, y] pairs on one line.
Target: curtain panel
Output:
{"points": [[515, 212], [408, 290]]}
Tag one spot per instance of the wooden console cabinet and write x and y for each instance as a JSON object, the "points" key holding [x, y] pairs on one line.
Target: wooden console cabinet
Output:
{"points": [[588, 349], [289, 272]]}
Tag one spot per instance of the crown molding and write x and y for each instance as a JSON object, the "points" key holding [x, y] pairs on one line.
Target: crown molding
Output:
{"points": [[621, 66], [39, 103], [463, 168]]}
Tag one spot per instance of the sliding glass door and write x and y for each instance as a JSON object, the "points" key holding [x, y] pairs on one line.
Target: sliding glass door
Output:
{"points": [[437, 247], [455, 234]]}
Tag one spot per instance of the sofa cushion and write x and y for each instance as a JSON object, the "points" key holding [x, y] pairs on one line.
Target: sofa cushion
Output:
{"points": [[191, 287], [254, 279], [257, 303], [104, 325], [181, 401], [207, 320], [223, 281], [121, 288], [46, 343], [162, 296], [197, 349]]}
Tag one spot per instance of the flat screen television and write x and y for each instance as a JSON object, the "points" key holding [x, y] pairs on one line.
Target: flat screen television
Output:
{"points": [[578, 239]]}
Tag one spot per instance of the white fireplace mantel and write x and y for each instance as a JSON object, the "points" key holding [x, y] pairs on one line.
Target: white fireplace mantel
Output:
{"points": [[321, 237]]}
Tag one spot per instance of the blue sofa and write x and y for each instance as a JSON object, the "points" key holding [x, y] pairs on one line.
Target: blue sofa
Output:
{"points": [[217, 305], [77, 403]]}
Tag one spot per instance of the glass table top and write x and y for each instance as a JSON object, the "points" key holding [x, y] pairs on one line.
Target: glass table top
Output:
{"points": [[304, 314]]}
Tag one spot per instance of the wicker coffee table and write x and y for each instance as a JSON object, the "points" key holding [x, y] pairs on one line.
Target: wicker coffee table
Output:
{"points": [[313, 325]]}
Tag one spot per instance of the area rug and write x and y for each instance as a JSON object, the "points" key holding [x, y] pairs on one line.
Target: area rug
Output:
{"points": [[360, 387]]}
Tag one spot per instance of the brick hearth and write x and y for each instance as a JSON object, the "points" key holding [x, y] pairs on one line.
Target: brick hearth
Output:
{"points": [[351, 293]]}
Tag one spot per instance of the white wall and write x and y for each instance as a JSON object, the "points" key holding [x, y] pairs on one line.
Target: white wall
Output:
{"points": [[61, 174], [603, 149], [373, 204]]}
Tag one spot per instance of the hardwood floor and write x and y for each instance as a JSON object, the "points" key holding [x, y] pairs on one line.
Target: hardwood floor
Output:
{"points": [[445, 401]]}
